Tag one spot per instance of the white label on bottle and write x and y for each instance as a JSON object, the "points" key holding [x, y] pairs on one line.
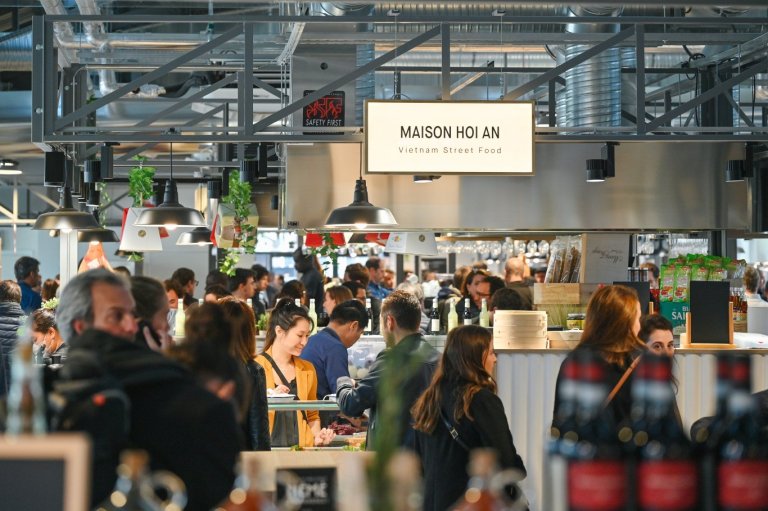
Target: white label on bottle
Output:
{"points": [[435, 325], [467, 321]]}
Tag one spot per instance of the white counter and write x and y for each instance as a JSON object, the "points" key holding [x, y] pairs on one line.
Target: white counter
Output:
{"points": [[526, 381]]}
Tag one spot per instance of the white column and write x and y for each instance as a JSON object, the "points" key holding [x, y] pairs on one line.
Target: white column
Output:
{"points": [[67, 256]]}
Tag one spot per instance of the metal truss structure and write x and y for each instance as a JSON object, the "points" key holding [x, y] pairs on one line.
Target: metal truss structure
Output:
{"points": [[665, 104]]}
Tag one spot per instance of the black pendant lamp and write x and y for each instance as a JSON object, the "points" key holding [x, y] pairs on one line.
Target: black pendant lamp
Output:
{"points": [[66, 218], [360, 214], [99, 234], [198, 236], [170, 214]]}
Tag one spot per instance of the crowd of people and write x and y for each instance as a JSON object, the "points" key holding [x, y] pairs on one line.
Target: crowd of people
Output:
{"points": [[196, 401]]}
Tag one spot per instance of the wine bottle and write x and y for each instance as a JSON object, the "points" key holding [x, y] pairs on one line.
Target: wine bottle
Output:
{"points": [[369, 324], [313, 316], [741, 447], [26, 404], [666, 472], [434, 318], [485, 317], [467, 316], [453, 318]]}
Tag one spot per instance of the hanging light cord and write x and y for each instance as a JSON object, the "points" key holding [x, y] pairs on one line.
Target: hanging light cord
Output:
{"points": [[361, 160]]}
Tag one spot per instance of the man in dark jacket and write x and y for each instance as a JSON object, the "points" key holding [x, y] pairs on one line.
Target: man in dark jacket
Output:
{"points": [[310, 277], [400, 374], [184, 428], [11, 318]]}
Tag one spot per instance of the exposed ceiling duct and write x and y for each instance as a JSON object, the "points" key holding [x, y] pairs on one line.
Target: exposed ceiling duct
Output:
{"points": [[16, 51]]}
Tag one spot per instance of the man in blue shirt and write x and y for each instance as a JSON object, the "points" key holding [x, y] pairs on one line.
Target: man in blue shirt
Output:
{"points": [[27, 271], [327, 349], [375, 267]]}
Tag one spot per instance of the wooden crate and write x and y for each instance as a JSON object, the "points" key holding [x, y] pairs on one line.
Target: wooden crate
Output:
{"points": [[556, 294]]}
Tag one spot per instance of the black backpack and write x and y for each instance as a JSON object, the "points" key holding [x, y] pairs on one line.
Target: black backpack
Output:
{"points": [[83, 398]]}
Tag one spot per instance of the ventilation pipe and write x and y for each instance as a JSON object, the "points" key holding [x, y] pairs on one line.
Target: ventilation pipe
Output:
{"points": [[592, 94], [16, 51]]}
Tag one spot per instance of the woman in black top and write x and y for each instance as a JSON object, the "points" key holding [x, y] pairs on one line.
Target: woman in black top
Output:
{"points": [[610, 331], [243, 348], [463, 394]]}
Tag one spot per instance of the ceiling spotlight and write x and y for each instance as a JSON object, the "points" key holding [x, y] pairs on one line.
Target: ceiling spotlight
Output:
{"points": [[734, 171], [9, 167], [596, 170], [424, 178]]}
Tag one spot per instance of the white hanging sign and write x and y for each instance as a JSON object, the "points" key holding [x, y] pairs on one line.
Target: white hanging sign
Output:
{"points": [[449, 137]]}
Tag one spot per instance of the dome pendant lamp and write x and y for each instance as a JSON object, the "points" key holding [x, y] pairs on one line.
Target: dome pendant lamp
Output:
{"points": [[66, 218], [170, 214], [360, 214], [198, 236]]}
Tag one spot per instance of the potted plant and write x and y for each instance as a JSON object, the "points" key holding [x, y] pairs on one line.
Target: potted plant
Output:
{"points": [[234, 228], [133, 238]]}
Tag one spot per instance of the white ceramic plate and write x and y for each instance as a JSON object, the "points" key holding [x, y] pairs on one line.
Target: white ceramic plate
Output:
{"points": [[281, 396]]}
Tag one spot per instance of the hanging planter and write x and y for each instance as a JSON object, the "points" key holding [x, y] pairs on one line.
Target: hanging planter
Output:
{"points": [[133, 238], [234, 227]]}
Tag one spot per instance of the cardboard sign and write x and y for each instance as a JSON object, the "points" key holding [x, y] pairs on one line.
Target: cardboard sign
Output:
{"points": [[710, 314], [313, 488], [605, 257]]}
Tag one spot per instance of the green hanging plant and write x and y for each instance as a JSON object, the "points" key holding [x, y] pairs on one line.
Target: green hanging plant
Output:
{"points": [[140, 181], [245, 234], [105, 199], [328, 250]]}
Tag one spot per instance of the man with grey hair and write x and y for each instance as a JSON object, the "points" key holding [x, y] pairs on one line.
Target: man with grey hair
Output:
{"points": [[184, 428]]}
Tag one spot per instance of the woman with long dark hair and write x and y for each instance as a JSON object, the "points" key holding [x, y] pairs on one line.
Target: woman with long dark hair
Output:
{"points": [[287, 334], [242, 347], [461, 398], [611, 327]]}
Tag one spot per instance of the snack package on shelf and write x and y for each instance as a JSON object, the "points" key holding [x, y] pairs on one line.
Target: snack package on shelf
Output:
{"points": [[572, 259], [682, 283], [667, 283]]}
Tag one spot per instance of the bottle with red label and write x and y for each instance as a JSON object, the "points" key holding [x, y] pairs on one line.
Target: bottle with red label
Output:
{"points": [[596, 469], [665, 471], [741, 473]]}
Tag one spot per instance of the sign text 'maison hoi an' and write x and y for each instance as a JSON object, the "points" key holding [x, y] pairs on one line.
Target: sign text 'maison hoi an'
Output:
{"points": [[449, 137]]}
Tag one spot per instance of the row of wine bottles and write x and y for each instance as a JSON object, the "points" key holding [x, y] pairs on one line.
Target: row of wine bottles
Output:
{"points": [[648, 462], [483, 320]]}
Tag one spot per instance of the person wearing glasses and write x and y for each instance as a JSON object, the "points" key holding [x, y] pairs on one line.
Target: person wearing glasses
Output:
{"points": [[186, 279]]}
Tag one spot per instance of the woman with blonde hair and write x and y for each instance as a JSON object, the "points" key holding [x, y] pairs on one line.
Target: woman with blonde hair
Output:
{"points": [[458, 412], [287, 334], [611, 330], [242, 347]]}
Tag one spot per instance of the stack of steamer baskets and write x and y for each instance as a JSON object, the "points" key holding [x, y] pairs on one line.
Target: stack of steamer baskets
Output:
{"points": [[519, 330]]}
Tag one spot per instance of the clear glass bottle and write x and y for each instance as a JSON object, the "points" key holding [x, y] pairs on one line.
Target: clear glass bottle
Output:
{"points": [[313, 315], [453, 317], [26, 402], [181, 319], [485, 317], [135, 487], [368, 326]]}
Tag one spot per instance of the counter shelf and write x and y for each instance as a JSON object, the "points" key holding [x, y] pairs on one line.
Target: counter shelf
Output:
{"points": [[292, 405]]}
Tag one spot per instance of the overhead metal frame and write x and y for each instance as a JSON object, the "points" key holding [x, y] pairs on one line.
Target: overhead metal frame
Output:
{"points": [[49, 129]]}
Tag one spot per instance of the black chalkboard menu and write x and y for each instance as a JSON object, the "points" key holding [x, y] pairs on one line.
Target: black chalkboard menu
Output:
{"points": [[710, 313], [643, 293]]}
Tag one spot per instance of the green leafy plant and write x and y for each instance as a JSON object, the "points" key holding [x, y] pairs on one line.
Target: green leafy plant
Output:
{"points": [[262, 322], [328, 250], [51, 304], [140, 181], [244, 241], [136, 257], [105, 199]]}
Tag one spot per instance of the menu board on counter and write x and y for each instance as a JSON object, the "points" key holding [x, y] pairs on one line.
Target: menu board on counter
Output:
{"points": [[605, 257], [314, 488], [710, 314]]}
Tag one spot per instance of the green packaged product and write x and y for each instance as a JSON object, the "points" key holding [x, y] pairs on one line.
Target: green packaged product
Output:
{"points": [[682, 283], [666, 283], [717, 274], [699, 272]]}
